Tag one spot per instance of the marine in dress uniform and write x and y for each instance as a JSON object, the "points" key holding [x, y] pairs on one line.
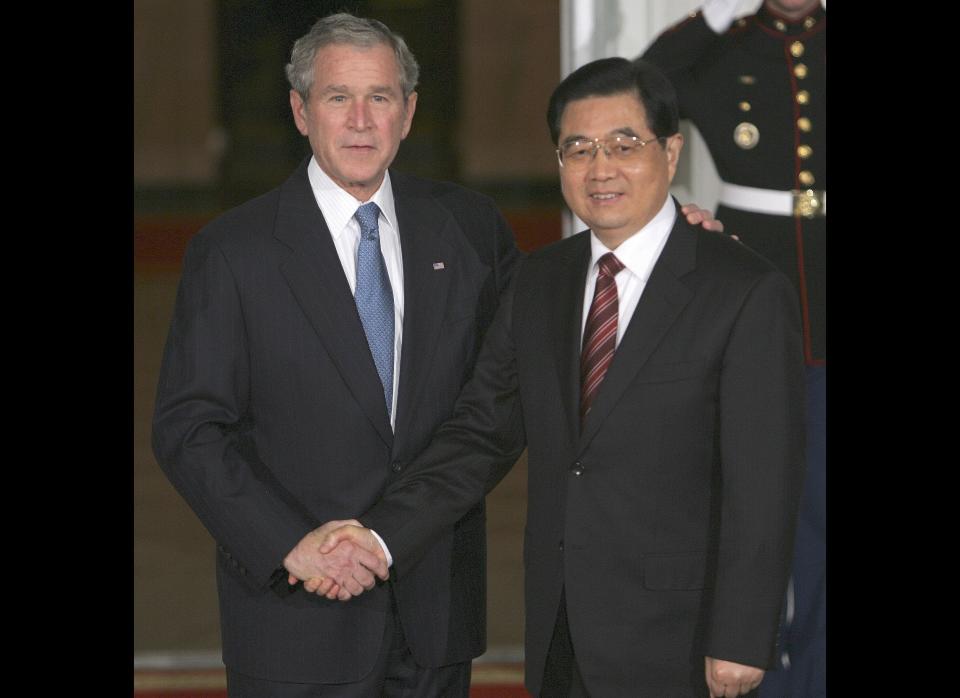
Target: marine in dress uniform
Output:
{"points": [[757, 94]]}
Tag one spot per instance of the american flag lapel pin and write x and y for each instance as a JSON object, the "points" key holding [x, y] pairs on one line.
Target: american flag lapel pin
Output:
{"points": [[438, 265]]}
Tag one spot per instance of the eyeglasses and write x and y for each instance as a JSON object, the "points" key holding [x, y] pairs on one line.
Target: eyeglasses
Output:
{"points": [[580, 153]]}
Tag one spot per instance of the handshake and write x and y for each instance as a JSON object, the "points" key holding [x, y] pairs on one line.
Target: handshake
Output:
{"points": [[339, 560]]}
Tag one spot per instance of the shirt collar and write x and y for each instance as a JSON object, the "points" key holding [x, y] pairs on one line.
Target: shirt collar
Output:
{"points": [[640, 251], [338, 206]]}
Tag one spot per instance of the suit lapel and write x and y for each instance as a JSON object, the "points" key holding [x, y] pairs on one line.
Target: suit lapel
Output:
{"points": [[424, 229], [315, 276], [566, 299], [663, 298]]}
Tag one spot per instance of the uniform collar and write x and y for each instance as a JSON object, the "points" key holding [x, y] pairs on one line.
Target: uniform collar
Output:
{"points": [[778, 24]]}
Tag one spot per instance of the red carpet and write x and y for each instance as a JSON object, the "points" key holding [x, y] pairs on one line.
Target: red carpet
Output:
{"points": [[489, 681]]}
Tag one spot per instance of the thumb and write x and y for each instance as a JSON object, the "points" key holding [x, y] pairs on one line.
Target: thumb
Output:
{"points": [[334, 537]]}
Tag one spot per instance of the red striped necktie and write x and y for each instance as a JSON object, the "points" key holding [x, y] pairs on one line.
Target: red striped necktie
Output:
{"points": [[600, 332]]}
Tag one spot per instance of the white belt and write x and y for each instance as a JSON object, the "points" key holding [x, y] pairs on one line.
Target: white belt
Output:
{"points": [[805, 203]]}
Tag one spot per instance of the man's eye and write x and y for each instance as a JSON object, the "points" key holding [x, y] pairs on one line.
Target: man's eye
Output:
{"points": [[338, 98], [578, 152]]}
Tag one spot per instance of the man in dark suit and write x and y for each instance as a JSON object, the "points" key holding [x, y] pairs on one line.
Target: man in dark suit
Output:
{"points": [[308, 360], [655, 374]]}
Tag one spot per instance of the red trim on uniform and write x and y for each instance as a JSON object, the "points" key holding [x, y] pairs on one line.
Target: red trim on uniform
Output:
{"points": [[815, 29], [797, 165], [682, 23]]}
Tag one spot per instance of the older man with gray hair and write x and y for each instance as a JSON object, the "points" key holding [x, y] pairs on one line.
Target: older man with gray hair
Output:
{"points": [[321, 333]]}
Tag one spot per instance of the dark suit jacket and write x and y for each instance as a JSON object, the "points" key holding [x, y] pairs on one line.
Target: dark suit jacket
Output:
{"points": [[270, 418], [670, 518]]}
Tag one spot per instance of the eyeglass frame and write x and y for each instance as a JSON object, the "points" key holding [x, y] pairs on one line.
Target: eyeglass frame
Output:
{"points": [[602, 141]]}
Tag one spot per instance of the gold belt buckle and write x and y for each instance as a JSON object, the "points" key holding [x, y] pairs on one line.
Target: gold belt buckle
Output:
{"points": [[809, 203]]}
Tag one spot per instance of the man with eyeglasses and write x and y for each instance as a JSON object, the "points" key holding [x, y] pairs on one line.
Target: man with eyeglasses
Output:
{"points": [[654, 372]]}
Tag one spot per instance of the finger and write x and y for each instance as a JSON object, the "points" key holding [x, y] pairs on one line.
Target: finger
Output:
{"points": [[333, 593], [292, 579], [374, 563], [344, 595], [314, 583], [352, 586], [364, 577]]}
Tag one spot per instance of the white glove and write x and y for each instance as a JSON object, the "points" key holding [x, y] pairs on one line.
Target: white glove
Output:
{"points": [[719, 14]]}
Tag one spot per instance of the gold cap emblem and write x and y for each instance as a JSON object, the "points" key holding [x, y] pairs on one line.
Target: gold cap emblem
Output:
{"points": [[746, 135]]}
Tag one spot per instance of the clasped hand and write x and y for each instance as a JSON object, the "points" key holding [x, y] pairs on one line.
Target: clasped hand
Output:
{"points": [[340, 566]]}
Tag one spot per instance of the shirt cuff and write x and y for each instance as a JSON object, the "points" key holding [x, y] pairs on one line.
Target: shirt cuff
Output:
{"points": [[384, 547]]}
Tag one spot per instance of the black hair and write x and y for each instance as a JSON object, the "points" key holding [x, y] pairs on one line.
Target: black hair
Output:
{"points": [[610, 76]]}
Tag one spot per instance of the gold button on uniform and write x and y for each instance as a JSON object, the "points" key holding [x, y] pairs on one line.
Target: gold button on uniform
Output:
{"points": [[805, 177], [781, 27], [746, 135], [744, 106], [796, 49], [741, 22], [804, 151], [803, 97], [800, 70], [809, 22], [803, 123]]}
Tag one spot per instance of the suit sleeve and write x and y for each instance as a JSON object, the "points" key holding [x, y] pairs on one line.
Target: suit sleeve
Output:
{"points": [[678, 51], [467, 457], [762, 464], [201, 422], [505, 253]]}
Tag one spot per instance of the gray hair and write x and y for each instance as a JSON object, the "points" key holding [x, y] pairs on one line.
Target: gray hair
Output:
{"points": [[344, 28]]}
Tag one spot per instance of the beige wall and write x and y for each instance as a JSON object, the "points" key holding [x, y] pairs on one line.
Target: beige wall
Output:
{"points": [[175, 133], [510, 61]]}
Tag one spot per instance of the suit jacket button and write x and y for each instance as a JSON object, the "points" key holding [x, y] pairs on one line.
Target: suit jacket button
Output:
{"points": [[396, 467], [561, 546], [578, 471]]}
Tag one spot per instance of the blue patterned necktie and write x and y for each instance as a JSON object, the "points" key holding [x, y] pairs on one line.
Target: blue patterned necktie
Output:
{"points": [[374, 297]]}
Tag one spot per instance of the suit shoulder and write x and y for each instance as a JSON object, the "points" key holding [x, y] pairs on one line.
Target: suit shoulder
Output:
{"points": [[560, 249], [721, 255], [451, 195]]}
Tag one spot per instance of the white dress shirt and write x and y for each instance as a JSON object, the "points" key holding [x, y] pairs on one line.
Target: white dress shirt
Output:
{"points": [[639, 253], [338, 209]]}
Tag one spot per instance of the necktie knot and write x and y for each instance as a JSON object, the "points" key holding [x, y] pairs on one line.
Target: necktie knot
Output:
{"points": [[609, 264], [368, 217]]}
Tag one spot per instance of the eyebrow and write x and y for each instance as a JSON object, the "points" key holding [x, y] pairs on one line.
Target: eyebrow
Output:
{"points": [[622, 131], [376, 89]]}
